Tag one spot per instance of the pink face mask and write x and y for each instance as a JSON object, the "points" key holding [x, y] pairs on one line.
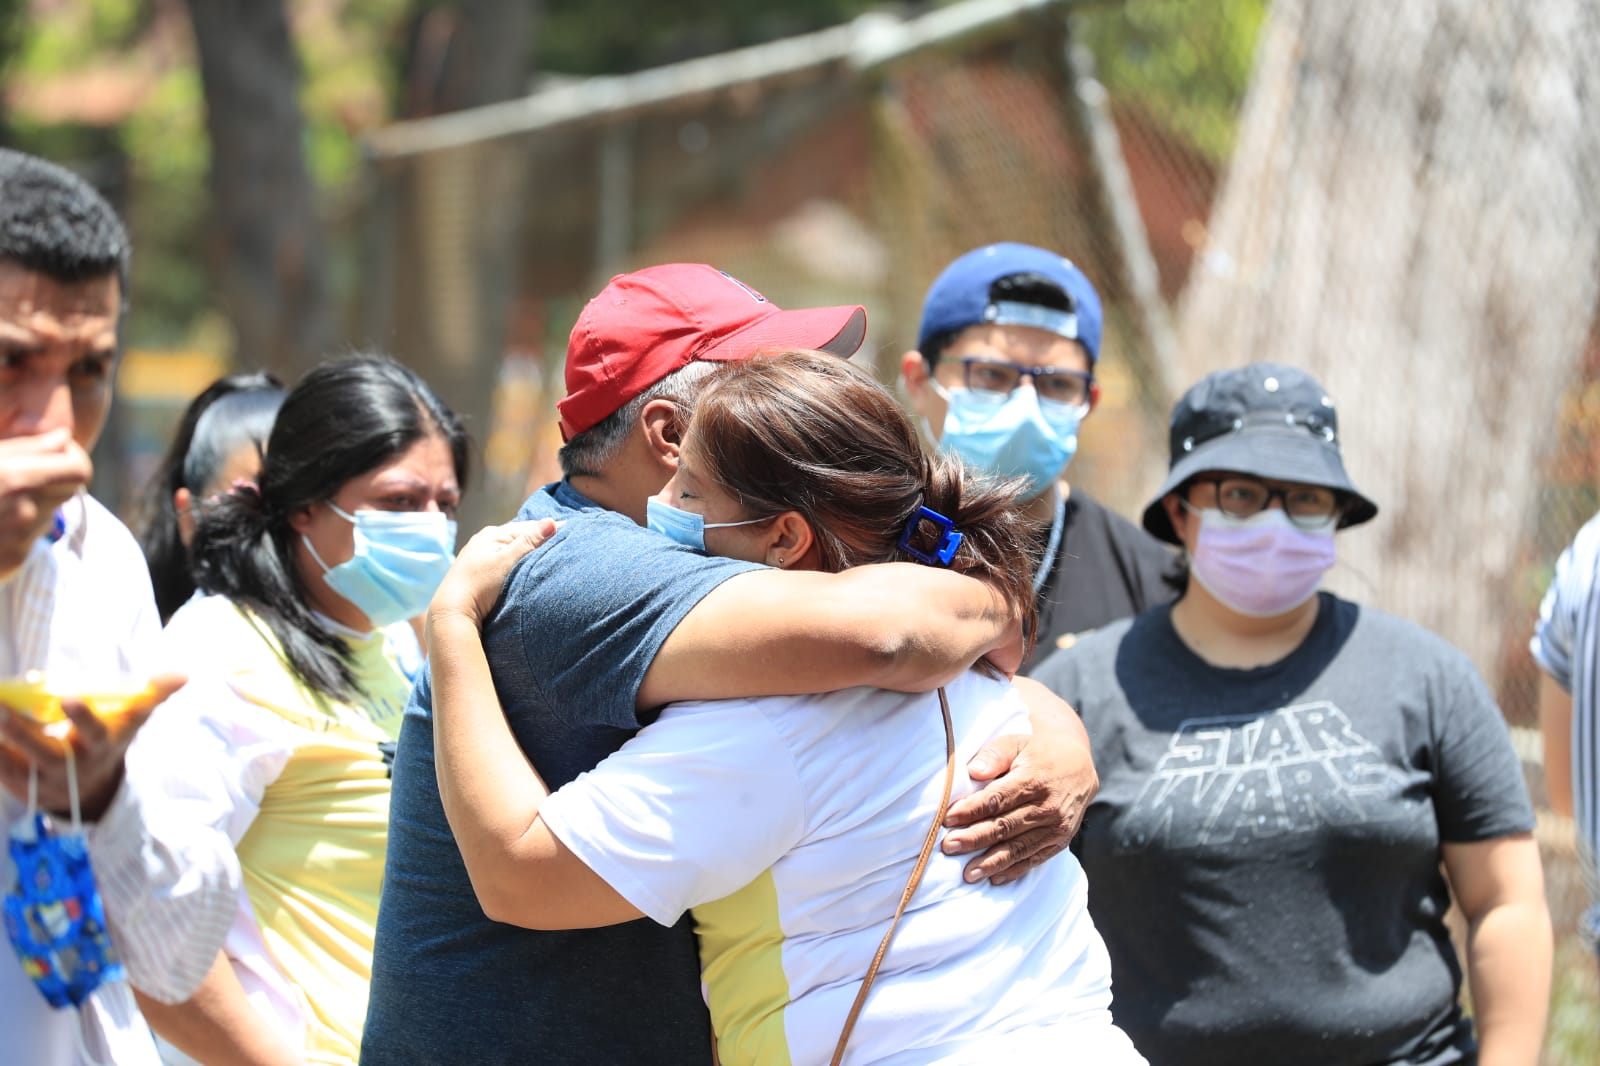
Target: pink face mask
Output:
{"points": [[1263, 565]]}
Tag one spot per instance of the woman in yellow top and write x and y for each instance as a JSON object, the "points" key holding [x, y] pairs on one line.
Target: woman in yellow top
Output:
{"points": [[298, 681]]}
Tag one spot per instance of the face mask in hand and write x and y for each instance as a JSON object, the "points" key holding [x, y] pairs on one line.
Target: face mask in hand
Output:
{"points": [[1011, 436], [400, 558], [1263, 565], [684, 527], [54, 916]]}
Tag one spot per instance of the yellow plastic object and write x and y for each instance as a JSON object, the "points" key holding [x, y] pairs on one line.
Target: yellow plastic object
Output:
{"points": [[40, 700]]}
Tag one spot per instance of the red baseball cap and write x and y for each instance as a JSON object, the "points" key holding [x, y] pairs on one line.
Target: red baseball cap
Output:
{"points": [[643, 326]]}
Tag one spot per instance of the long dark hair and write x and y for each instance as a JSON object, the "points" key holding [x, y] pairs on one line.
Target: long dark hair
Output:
{"points": [[232, 411], [808, 432], [343, 419]]}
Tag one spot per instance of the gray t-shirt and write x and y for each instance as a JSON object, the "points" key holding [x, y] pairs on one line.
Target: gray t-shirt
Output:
{"points": [[1263, 855], [577, 627]]}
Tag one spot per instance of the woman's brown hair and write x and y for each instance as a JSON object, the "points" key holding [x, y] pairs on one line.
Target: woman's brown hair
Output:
{"points": [[809, 432]]}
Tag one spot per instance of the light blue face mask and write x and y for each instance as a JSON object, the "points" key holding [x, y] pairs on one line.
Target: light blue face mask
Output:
{"points": [[1018, 435], [684, 527], [400, 558]]}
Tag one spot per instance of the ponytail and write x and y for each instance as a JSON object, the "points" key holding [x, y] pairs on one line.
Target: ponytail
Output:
{"points": [[1000, 544], [242, 551]]}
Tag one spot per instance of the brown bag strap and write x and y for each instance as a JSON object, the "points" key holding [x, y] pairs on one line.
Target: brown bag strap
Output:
{"points": [[911, 882]]}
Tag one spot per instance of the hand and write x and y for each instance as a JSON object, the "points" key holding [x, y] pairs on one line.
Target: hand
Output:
{"points": [[475, 579], [1039, 787], [97, 745], [37, 475]]}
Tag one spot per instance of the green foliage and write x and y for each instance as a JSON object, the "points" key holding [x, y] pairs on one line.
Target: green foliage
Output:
{"points": [[153, 165], [72, 33], [165, 141], [13, 25], [349, 63], [159, 156], [1185, 64]]}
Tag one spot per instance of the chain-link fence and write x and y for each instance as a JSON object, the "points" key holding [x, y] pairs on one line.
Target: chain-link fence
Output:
{"points": [[847, 166], [1401, 198]]}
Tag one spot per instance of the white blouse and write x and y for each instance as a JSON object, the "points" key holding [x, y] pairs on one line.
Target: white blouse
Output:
{"points": [[82, 605]]}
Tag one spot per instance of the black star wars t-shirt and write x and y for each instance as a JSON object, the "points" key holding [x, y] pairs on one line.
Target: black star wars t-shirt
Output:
{"points": [[1263, 855]]}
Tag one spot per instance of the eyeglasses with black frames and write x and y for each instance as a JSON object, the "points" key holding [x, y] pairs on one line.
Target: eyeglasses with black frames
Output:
{"points": [[1308, 506], [1054, 383]]}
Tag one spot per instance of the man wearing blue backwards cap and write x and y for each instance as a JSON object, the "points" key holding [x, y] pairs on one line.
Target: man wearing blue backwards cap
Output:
{"points": [[1002, 375]]}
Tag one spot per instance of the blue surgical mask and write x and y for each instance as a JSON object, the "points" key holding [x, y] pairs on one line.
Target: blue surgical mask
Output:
{"points": [[54, 916], [400, 558], [1018, 435], [684, 527]]}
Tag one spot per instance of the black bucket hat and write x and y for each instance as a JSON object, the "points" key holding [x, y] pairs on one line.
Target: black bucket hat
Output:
{"points": [[1264, 419]]}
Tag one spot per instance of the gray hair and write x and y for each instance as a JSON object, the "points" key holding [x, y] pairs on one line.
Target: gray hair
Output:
{"points": [[590, 452]]}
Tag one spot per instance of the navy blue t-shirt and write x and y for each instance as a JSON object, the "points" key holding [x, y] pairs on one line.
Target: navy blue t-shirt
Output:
{"points": [[579, 623]]}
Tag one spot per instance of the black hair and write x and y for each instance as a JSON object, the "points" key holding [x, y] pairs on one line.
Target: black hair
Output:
{"points": [[231, 412], [1028, 287], [342, 420], [54, 223]]}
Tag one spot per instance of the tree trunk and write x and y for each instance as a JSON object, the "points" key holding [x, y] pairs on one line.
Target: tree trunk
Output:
{"points": [[474, 52], [1413, 215], [268, 237]]}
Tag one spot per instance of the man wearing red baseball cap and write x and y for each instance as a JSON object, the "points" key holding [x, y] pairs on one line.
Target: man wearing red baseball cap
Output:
{"points": [[607, 622], [647, 325]]}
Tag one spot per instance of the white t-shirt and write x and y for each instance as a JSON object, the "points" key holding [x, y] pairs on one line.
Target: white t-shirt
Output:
{"points": [[790, 826]]}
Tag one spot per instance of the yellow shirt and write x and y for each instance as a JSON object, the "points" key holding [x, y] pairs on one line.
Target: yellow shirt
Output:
{"points": [[312, 857]]}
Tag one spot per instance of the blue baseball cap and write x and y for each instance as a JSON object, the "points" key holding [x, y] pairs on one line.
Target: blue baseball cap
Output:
{"points": [[960, 296]]}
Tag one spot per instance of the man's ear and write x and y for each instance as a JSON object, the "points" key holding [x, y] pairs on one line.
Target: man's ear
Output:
{"points": [[662, 426], [914, 372], [922, 396], [789, 540]]}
